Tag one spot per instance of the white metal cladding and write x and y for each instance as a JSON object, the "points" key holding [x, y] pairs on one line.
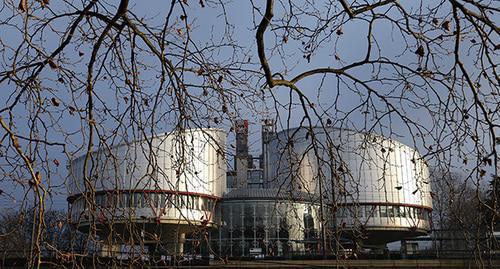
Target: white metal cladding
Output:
{"points": [[189, 161], [369, 168]]}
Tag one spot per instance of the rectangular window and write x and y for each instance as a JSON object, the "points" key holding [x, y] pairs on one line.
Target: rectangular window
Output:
{"points": [[142, 200], [137, 200], [146, 199], [390, 211], [203, 203], [170, 200], [197, 203], [368, 211], [156, 200], [162, 200], [119, 202], [383, 211], [126, 200], [104, 201], [98, 200], [181, 201], [375, 211], [397, 211]]}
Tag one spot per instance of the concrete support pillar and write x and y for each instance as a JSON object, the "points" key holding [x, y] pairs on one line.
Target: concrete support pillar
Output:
{"points": [[174, 243], [180, 243]]}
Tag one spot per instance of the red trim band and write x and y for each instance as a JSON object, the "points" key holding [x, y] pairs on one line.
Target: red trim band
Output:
{"points": [[387, 204], [187, 193]]}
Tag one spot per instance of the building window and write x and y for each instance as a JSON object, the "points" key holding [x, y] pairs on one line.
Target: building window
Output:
{"points": [[383, 211], [390, 212], [397, 211]]}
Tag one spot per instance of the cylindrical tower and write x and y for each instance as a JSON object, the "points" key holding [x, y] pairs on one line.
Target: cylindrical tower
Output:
{"points": [[377, 188], [163, 186]]}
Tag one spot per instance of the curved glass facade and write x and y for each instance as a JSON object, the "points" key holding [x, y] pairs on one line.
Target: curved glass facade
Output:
{"points": [[267, 227]]}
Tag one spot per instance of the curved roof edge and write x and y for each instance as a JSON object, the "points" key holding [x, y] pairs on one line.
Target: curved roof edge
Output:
{"points": [[331, 128], [270, 194], [162, 134]]}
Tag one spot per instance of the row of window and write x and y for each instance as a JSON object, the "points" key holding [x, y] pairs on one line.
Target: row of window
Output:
{"points": [[383, 211], [151, 200]]}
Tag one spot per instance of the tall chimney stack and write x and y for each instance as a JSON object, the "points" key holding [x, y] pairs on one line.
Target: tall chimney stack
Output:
{"points": [[241, 158], [268, 131]]}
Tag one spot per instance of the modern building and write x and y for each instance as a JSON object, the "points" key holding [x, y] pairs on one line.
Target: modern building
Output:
{"points": [[377, 189], [315, 189], [267, 222], [157, 188]]}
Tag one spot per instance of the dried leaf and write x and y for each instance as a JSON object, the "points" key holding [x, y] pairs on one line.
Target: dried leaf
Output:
{"points": [[446, 25], [285, 39], [38, 178], [15, 143], [427, 73], [55, 102], [81, 53], [52, 64], [487, 161], [435, 21], [183, 17], [43, 2], [420, 51], [23, 5], [56, 162]]}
